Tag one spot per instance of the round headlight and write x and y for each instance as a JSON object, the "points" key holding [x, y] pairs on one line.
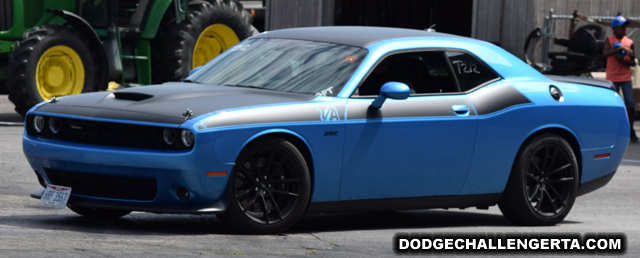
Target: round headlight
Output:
{"points": [[169, 136], [38, 123], [187, 138], [55, 125]]}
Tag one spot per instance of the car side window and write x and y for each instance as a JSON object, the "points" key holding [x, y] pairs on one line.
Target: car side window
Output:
{"points": [[470, 71], [424, 72]]}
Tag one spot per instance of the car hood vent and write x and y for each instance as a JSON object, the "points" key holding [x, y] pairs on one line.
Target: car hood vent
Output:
{"points": [[135, 96]]}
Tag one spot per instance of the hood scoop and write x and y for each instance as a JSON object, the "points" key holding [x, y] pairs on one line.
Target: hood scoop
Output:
{"points": [[134, 96]]}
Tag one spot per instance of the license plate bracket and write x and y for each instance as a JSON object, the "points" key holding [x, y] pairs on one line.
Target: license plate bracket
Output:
{"points": [[56, 196]]}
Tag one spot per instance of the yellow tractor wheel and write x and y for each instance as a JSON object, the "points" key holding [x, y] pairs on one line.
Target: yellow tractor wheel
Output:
{"points": [[210, 28], [59, 72], [212, 41], [51, 61]]}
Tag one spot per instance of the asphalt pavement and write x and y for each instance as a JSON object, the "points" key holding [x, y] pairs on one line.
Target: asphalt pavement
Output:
{"points": [[7, 115]]}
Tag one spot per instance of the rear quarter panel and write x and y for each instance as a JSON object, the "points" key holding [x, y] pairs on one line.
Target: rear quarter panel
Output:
{"points": [[594, 116]]}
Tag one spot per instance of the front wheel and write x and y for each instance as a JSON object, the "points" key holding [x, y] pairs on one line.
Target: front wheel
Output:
{"points": [[543, 184], [269, 188]]}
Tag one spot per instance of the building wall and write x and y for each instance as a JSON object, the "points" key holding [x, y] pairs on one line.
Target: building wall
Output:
{"points": [[503, 22], [628, 8], [297, 13], [509, 22]]}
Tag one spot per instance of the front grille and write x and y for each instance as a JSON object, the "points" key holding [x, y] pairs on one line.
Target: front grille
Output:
{"points": [[105, 186], [6, 17], [106, 133]]}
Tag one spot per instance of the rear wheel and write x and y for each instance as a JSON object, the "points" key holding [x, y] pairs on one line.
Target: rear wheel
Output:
{"points": [[51, 61], [543, 184], [269, 188], [208, 30]]}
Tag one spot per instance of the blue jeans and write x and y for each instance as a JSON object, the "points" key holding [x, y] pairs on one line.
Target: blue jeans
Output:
{"points": [[627, 91]]}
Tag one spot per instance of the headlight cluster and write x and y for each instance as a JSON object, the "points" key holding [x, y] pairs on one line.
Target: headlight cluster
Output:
{"points": [[169, 136], [40, 123]]}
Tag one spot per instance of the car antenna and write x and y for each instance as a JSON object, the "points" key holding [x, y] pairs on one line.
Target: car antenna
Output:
{"points": [[431, 28]]}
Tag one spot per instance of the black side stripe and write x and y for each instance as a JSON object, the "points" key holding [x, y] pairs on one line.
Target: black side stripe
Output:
{"points": [[486, 101], [494, 99]]}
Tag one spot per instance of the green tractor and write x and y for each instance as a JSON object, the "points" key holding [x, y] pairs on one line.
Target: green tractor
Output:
{"points": [[57, 48]]}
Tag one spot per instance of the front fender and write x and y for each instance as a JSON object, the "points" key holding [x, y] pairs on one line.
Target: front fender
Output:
{"points": [[273, 131]]}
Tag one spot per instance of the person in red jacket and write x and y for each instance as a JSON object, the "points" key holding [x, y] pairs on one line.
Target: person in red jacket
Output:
{"points": [[619, 51]]}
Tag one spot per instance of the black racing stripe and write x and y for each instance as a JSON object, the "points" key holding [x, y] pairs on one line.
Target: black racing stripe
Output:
{"points": [[167, 103], [420, 107], [494, 99], [278, 114]]}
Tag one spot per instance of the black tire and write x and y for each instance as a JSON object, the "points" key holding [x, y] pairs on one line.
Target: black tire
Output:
{"points": [[172, 49], [98, 213], [543, 184], [23, 82], [269, 188]]}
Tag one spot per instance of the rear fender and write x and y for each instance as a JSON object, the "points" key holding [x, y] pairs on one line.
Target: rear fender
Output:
{"points": [[583, 80]]}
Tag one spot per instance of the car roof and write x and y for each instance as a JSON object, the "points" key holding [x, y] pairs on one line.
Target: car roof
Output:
{"points": [[349, 35], [375, 38]]}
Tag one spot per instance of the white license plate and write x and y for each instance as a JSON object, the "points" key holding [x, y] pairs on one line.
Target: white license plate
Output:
{"points": [[56, 196]]}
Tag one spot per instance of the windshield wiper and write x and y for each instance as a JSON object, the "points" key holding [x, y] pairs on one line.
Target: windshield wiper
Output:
{"points": [[189, 81]]}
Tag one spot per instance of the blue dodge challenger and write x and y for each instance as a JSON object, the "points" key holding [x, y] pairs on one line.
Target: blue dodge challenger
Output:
{"points": [[334, 119]]}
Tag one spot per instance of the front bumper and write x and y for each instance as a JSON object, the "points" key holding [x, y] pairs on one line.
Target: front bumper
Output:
{"points": [[101, 173]]}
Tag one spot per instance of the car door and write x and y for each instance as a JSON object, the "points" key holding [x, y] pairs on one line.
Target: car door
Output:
{"points": [[420, 146]]}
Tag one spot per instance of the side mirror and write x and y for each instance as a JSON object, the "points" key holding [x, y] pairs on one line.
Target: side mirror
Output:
{"points": [[392, 90]]}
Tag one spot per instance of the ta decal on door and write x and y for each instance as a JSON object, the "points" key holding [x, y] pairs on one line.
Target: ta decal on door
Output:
{"points": [[329, 113]]}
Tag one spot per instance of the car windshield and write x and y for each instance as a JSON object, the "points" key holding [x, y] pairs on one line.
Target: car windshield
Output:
{"points": [[283, 65]]}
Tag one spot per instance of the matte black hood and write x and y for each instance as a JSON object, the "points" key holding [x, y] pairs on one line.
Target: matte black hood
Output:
{"points": [[166, 103]]}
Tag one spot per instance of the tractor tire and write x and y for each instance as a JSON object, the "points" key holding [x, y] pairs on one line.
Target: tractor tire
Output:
{"points": [[208, 30], [51, 61], [4, 62]]}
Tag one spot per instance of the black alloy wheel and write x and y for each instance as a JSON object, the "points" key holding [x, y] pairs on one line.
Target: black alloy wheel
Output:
{"points": [[269, 188], [543, 184]]}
